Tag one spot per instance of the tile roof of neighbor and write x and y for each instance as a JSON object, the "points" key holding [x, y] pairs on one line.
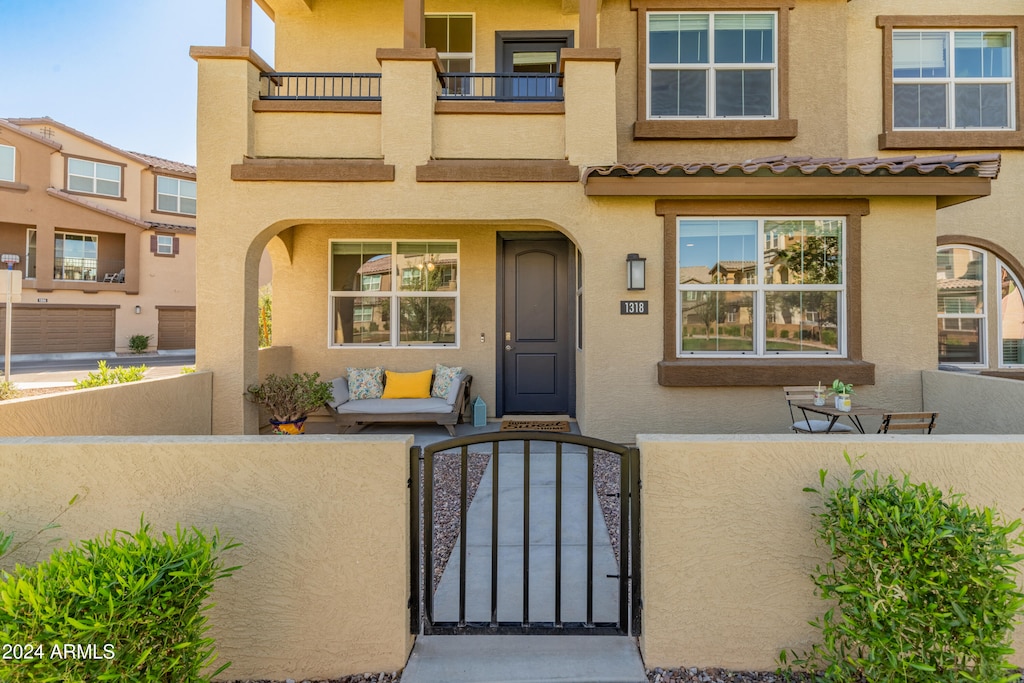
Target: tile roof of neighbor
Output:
{"points": [[959, 283], [145, 225], [975, 165], [148, 160]]}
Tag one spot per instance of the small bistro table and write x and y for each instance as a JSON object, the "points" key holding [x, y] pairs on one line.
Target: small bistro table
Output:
{"points": [[833, 413]]}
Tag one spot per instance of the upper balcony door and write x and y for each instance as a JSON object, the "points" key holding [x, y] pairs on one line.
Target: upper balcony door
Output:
{"points": [[534, 54]]}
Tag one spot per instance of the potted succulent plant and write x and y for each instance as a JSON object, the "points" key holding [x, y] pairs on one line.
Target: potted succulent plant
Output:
{"points": [[290, 399], [842, 393]]}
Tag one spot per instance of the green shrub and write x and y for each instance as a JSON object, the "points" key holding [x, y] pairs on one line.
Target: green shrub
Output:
{"points": [[8, 390], [923, 586], [784, 334], [187, 369], [828, 337], [138, 343], [133, 608], [7, 544], [266, 316], [107, 375]]}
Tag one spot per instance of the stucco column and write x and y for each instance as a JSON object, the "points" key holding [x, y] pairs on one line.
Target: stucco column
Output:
{"points": [[226, 331], [408, 92], [590, 135], [238, 23], [44, 257]]}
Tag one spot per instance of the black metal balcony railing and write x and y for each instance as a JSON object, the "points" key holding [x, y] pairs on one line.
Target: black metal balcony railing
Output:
{"points": [[85, 269], [319, 86], [501, 87]]}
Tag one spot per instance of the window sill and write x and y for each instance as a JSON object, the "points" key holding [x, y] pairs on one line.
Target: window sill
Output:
{"points": [[952, 139], [780, 129], [761, 372], [17, 187]]}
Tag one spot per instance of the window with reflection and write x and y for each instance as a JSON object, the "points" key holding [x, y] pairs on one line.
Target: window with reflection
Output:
{"points": [[945, 79], [394, 293], [761, 286], [711, 65], [968, 295]]}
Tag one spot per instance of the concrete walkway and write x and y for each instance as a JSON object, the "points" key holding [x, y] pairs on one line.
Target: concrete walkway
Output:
{"points": [[520, 659]]}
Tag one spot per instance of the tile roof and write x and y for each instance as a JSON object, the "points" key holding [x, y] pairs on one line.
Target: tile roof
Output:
{"points": [[959, 283], [976, 165], [151, 161], [166, 164], [171, 227]]}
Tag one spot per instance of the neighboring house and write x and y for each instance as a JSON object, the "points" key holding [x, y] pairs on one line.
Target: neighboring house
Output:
{"points": [[795, 163], [105, 238]]}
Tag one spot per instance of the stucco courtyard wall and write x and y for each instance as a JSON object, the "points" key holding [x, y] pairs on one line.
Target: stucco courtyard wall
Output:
{"points": [[169, 405], [323, 523], [728, 534], [974, 404]]}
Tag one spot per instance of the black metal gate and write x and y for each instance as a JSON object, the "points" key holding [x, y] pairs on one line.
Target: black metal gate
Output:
{"points": [[518, 463]]}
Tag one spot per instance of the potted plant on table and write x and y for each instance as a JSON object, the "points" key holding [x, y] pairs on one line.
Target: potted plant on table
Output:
{"points": [[842, 393], [290, 399]]}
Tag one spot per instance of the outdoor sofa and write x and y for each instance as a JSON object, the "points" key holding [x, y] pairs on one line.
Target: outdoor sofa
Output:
{"points": [[359, 401]]}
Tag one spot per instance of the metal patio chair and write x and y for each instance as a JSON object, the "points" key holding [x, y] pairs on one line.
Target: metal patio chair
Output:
{"points": [[902, 421]]}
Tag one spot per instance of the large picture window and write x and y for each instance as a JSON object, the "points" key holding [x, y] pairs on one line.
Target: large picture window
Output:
{"points": [[94, 177], [761, 287], [945, 79], [401, 293], [74, 256], [7, 163], [712, 65]]}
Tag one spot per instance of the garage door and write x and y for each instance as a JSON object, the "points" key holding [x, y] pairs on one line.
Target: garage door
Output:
{"points": [[176, 328], [59, 329]]}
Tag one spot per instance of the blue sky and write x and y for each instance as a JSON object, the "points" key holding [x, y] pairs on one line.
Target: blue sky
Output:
{"points": [[117, 70]]}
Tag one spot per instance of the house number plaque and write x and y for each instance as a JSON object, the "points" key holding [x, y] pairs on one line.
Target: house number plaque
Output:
{"points": [[633, 308]]}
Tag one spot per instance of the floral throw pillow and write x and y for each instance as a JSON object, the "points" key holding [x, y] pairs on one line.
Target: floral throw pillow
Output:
{"points": [[443, 378], [365, 383]]}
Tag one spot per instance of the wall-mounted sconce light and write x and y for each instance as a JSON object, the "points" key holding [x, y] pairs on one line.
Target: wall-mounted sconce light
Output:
{"points": [[636, 272], [138, 309]]}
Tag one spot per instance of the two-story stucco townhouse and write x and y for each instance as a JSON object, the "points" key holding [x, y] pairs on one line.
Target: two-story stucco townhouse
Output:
{"points": [[799, 180], [105, 240]]}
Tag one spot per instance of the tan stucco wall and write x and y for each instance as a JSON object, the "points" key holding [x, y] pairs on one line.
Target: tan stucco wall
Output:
{"points": [[728, 534], [341, 136], [323, 521], [170, 405], [974, 404], [466, 136]]}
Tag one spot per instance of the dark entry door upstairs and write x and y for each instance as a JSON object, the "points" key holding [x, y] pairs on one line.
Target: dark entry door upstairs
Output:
{"points": [[536, 350]]}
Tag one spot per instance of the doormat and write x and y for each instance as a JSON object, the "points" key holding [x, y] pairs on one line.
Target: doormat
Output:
{"points": [[534, 426]]}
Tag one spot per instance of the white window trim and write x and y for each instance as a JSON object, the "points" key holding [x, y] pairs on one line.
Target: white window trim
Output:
{"points": [[94, 178], [952, 81], [711, 68], [1000, 266], [58, 236], [395, 295], [177, 195], [14, 165], [983, 316], [758, 295], [471, 56], [161, 242]]}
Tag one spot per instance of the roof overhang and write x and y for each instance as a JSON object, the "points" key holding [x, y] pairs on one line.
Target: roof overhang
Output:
{"points": [[951, 179]]}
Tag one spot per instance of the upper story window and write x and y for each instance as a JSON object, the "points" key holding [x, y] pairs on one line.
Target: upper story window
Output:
{"points": [[718, 73], [735, 299], [952, 82], [953, 79], [74, 256], [7, 163], [452, 36], [94, 177], [714, 65], [176, 195], [395, 294], [165, 244]]}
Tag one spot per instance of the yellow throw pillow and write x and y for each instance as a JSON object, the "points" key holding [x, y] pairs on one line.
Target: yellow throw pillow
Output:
{"points": [[407, 384]]}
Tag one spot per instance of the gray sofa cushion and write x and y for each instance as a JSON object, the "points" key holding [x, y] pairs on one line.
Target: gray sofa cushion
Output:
{"points": [[820, 426], [388, 406], [453, 390], [340, 389]]}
